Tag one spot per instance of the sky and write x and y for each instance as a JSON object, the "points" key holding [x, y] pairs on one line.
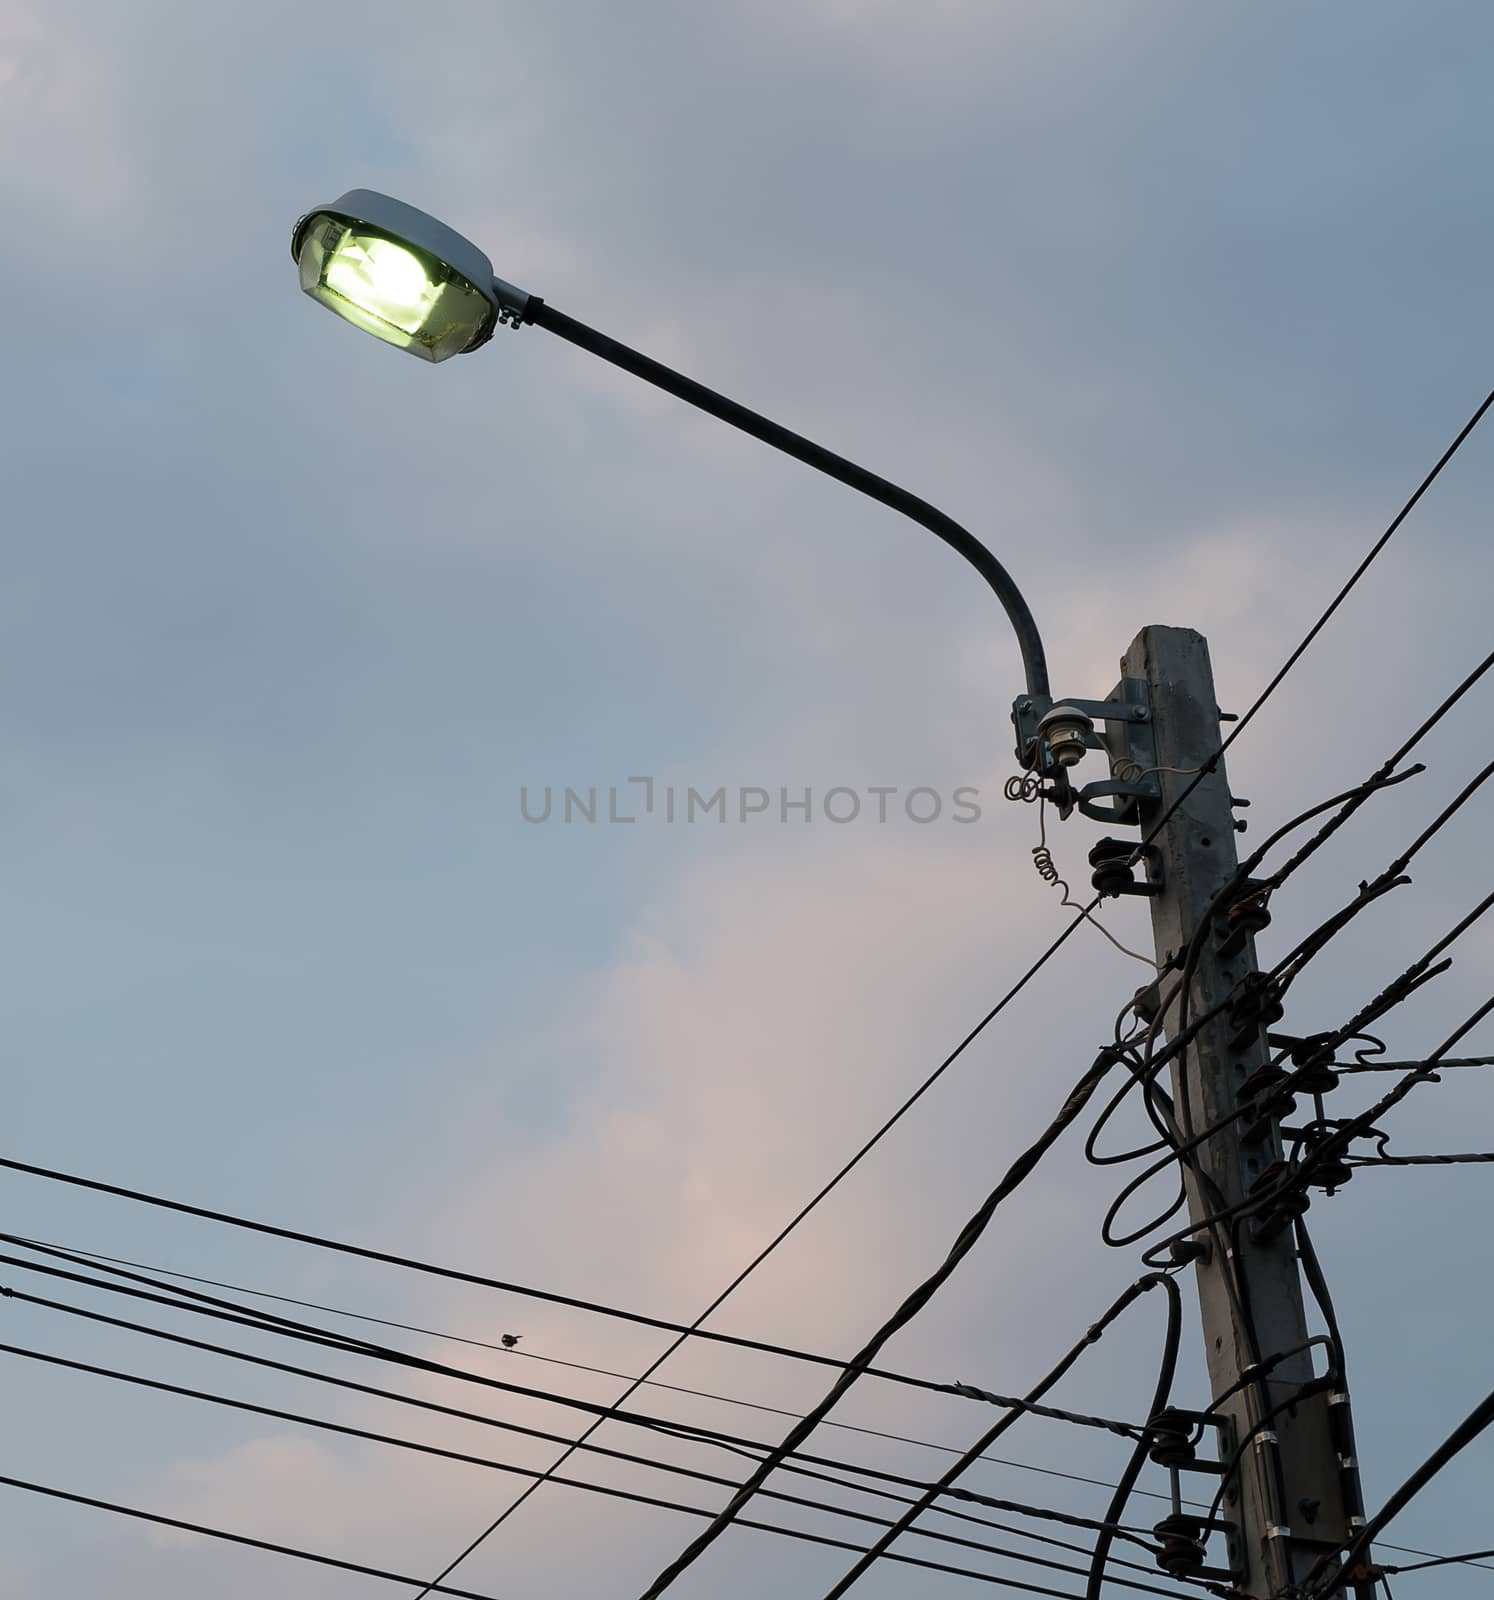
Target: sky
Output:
{"points": [[1172, 305]]}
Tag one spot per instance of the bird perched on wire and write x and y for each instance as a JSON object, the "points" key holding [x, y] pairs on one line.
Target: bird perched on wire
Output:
{"points": [[509, 1340]]}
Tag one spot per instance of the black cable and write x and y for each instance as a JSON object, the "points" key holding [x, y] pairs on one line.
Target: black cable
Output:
{"points": [[904, 1523], [1317, 627], [75, 1254], [1393, 994], [1333, 1147], [1174, 1129], [1391, 878], [1349, 801], [1384, 772], [1350, 1479], [1470, 1560], [688, 1431], [1473, 1158], [1160, 1395], [468, 1459], [778, 1239], [1337, 1143], [1183, 1033], [231, 1538], [1409, 1066], [1303, 1391], [1463, 1435], [684, 1331], [1053, 1413], [1091, 1154], [1016, 1174], [540, 1433], [534, 1433], [753, 1449], [1440, 1561], [823, 460], [461, 1594]]}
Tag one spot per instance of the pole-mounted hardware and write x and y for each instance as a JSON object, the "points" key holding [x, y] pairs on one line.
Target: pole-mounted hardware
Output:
{"points": [[1183, 1536], [1052, 736]]}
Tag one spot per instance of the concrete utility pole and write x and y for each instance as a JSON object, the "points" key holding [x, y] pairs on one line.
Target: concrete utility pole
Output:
{"points": [[1289, 1496]]}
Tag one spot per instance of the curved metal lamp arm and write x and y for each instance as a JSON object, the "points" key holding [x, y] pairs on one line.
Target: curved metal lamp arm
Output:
{"points": [[1033, 661]]}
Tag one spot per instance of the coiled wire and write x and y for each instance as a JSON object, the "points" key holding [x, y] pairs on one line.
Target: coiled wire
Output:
{"points": [[1047, 869]]}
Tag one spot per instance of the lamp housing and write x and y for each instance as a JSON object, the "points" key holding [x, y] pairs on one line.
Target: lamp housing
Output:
{"points": [[401, 275]]}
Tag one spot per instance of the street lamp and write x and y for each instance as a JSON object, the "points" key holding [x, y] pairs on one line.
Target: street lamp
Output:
{"points": [[406, 278]]}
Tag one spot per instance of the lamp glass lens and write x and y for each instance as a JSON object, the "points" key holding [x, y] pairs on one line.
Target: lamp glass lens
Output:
{"points": [[389, 289]]}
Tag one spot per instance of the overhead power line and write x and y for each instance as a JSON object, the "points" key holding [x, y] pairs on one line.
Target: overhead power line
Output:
{"points": [[1015, 1176], [844, 1171], [1459, 1439], [207, 1532], [466, 1458], [905, 1522], [751, 1448], [369, 1254], [533, 1355], [1323, 620]]}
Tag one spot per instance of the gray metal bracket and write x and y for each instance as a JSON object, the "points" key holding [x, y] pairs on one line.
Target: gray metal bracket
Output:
{"points": [[1127, 741]]}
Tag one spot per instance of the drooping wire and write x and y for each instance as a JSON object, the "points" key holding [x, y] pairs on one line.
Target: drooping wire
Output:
{"points": [[1437, 1561], [1324, 1580], [1330, 1149], [1015, 1175], [1392, 995], [436, 1407], [905, 1522], [227, 1311], [158, 1272], [366, 1253], [1042, 859], [466, 1458], [161, 1520], [1160, 1396], [1038, 1512], [835, 1180]]}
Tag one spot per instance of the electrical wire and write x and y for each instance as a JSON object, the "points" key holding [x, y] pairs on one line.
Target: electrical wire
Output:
{"points": [[368, 1254], [1348, 803], [1476, 1158], [1394, 993], [1408, 1066], [462, 1594], [478, 1417], [72, 1252], [1383, 773], [695, 1328], [904, 1523], [1042, 859], [232, 1538], [751, 1448], [1463, 1435], [1160, 1395], [1318, 626], [1015, 1175], [1439, 1561], [1391, 878], [468, 1459], [1332, 1148]]}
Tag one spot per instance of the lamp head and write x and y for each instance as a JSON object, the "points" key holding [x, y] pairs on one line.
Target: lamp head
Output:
{"points": [[401, 275]]}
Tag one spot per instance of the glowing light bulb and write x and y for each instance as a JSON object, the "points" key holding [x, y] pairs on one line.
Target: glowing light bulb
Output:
{"points": [[382, 279]]}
